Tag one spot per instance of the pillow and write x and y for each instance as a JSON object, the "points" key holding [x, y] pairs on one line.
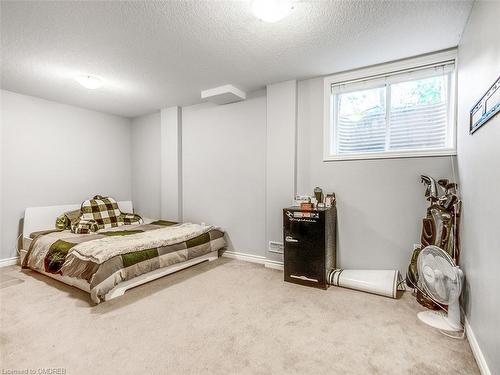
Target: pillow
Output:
{"points": [[66, 220], [102, 213], [129, 219], [83, 226], [103, 210]]}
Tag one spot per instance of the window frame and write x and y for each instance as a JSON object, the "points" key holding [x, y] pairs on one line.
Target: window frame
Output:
{"points": [[375, 74]]}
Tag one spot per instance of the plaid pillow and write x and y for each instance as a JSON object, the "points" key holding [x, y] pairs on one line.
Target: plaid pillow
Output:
{"points": [[82, 226], [102, 213], [67, 219], [129, 219]]}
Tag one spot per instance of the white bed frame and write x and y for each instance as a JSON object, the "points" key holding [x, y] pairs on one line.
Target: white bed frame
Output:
{"points": [[43, 218]]}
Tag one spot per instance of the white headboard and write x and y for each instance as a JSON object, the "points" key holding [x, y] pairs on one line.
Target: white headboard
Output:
{"points": [[43, 218]]}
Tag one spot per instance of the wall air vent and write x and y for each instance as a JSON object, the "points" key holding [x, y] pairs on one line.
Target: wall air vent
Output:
{"points": [[223, 94], [275, 247]]}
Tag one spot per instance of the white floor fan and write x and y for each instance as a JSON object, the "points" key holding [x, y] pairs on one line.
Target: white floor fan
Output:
{"points": [[442, 281]]}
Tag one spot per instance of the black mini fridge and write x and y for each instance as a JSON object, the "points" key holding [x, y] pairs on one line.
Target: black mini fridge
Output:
{"points": [[309, 239]]}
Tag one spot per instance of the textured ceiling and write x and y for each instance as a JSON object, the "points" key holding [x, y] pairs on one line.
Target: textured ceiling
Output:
{"points": [[156, 54]]}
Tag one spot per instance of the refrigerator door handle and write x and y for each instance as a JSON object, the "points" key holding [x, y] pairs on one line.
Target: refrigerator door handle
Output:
{"points": [[304, 278], [290, 239]]}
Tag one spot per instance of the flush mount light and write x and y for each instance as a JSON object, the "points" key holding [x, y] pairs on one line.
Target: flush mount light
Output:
{"points": [[271, 10], [89, 82]]}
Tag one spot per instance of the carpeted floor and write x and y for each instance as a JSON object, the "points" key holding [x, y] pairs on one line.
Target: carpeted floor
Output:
{"points": [[223, 317]]}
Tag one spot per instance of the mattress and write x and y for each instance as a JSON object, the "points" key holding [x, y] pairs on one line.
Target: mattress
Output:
{"points": [[72, 281], [97, 263]]}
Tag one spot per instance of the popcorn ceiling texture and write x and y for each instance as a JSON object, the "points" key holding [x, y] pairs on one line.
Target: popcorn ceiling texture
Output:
{"points": [[157, 54]]}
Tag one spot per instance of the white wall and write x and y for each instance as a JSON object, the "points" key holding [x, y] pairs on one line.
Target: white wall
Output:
{"points": [[171, 164], [224, 166], [479, 171], [58, 154], [281, 157], [7, 253], [380, 202], [223, 170], [146, 161]]}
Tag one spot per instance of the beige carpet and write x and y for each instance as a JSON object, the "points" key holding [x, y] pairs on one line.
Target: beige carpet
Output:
{"points": [[224, 317]]}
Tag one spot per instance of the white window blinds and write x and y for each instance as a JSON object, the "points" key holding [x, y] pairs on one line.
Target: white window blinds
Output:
{"points": [[398, 112]]}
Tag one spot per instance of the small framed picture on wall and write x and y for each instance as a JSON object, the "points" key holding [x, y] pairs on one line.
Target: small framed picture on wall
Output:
{"points": [[487, 107]]}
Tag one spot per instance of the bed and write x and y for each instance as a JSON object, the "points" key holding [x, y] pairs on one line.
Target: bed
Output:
{"points": [[107, 263]]}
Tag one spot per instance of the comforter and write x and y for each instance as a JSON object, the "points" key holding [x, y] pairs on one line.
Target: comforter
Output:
{"points": [[111, 256]]}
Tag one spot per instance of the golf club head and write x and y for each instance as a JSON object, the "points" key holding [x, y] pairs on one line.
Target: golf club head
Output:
{"points": [[431, 188]]}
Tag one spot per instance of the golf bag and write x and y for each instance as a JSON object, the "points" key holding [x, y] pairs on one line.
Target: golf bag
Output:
{"points": [[440, 227]]}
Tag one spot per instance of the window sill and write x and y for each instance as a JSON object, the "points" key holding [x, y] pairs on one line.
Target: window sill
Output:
{"points": [[391, 155]]}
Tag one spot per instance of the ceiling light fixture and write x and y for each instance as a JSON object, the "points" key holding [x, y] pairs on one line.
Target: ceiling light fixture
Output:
{"points": [[271, 10], [89, 82]]}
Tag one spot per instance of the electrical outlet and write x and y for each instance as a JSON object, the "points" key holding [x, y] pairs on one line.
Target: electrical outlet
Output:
{"points": [[275, 247]]}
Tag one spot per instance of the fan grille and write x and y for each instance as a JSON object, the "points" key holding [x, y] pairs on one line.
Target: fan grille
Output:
{"points": [[437, 273]]}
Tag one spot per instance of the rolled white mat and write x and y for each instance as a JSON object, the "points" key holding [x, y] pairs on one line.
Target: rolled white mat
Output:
{"points": [[382, 282]]}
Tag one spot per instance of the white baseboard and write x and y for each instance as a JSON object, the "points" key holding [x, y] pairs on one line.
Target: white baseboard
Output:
{"points": [[273, 264], [8, 261], [254, 259], [228, 254], [245, 257], [476, 350]]}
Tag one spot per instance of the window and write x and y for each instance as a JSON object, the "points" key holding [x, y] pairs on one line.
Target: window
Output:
{"points": [[396, 110]]}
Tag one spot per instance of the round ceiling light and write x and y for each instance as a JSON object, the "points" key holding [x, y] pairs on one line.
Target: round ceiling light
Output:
{"points": [[271, 10], [89, 82]]}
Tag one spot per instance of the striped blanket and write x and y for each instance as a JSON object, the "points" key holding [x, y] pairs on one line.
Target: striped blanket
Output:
{"points": [[111, 256]]}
